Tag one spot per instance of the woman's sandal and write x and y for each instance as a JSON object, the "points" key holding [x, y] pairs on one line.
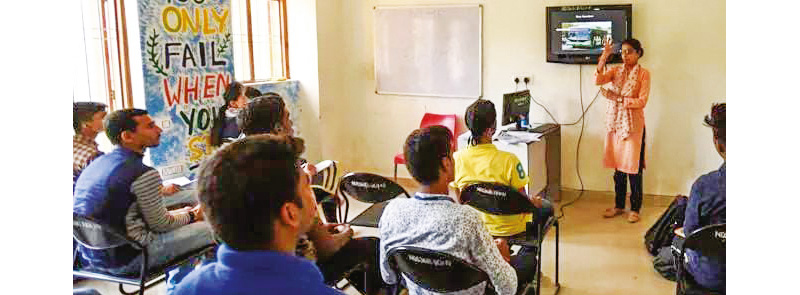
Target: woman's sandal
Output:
{"points": [[611, 212], [633, 217]]}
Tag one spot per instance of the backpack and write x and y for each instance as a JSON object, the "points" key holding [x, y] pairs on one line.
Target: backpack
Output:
{"points": [[661, 233], [664, 264]]}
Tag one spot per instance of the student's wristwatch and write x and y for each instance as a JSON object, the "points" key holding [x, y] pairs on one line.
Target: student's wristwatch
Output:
{"points": [[191, 216]]}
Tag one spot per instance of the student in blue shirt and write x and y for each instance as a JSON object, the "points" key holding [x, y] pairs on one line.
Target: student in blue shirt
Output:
{"points": [[707, 206], [258, 200]]}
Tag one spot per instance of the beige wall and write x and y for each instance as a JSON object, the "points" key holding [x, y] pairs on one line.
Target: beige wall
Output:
{"points": [[684, 51], [303, 66]]}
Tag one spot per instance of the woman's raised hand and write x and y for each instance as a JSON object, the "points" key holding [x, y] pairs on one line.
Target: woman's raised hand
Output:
{"points": [[608, 43]]}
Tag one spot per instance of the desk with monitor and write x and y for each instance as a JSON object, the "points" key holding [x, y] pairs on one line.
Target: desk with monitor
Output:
{"points": [[541, 159]]}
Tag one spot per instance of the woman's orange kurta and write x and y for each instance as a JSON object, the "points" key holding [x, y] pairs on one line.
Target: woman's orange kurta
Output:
{"points": [[623, 154]]}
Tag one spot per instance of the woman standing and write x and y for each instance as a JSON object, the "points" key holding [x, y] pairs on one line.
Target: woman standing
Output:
{"points": [[627, 94]]}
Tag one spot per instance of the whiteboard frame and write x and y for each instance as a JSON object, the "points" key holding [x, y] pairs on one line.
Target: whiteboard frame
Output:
{"points": [[375, 50]]}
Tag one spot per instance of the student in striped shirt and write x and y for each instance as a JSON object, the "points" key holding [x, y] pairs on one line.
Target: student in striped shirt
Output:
{"points": [[118, 190]]}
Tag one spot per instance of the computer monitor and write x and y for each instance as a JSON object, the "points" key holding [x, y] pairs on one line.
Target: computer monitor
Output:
{"points": [[515, 105]]}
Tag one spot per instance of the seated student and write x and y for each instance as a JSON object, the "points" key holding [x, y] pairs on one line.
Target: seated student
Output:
{"points": [[257, 200], [337, 253], [117, 189], [435, 221], [87, 120], [481, 161], [224, 125], [707, 206]]}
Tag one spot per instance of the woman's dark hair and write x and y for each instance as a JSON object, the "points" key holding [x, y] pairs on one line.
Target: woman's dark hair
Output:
{"points": [[232, 93], [244, 185], [479, 117], [716, 120], [120, 121], [261, 115], [252, 92], [424, 150], [635, 44]]}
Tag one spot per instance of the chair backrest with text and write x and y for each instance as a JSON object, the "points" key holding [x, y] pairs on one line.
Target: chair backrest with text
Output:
{"points": [[370, 188], [96, 236], [708, 241], [436, 271], [496, 199]]}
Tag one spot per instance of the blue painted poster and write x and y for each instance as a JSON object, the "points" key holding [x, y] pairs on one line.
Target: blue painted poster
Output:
{"points": [[187, 61]]}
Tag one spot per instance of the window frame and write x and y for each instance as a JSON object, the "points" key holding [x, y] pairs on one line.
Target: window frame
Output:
{"points": [[284, 33], [122, 61]]}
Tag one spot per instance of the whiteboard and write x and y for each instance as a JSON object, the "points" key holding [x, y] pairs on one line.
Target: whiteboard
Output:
{"points": [[429, 50]]}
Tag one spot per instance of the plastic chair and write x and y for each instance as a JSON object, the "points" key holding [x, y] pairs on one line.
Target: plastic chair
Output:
{"points": [[499, 199], [369, 188], [430, 119], [96, 236], [707, 241], [436, 271], [324, 184]]}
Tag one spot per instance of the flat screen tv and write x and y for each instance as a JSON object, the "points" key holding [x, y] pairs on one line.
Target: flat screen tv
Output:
{"points": [[575, 34]]}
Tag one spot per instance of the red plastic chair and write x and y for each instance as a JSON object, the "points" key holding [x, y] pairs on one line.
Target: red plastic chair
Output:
{"points": [[430, 119]]}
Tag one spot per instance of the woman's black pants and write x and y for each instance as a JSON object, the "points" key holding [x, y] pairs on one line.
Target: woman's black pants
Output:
{"points": [[621, 185]]}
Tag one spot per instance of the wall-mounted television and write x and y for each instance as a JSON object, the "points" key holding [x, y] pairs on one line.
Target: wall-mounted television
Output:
{"points": [[575, 34]]}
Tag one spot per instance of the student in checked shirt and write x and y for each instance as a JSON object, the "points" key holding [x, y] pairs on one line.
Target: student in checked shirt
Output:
{"points": [[87, 121], [435, 221]]}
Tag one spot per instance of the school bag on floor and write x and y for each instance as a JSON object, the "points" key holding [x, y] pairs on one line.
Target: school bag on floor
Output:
{"points": [[661, 233]]}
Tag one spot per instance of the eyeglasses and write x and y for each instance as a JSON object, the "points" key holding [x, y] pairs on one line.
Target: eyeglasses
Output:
{"points": [[627, 51]]}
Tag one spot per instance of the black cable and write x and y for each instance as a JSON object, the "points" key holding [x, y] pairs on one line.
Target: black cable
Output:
{"points": [[580, 136], [576, 121], [578, 148]]}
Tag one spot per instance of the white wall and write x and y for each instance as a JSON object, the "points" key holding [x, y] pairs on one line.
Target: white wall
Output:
{"points": [[684, 51], [303, 66]]}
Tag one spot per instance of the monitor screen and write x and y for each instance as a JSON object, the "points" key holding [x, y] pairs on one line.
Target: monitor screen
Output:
{"points": [[516, 104], [575, 34]]}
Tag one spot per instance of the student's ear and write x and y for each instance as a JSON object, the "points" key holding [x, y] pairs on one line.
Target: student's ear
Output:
{"points": [[447, 165], [489, 132], [290, 215], [126, 136]]}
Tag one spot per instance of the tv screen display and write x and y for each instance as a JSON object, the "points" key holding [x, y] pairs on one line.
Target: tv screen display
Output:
{"points": [[575, 34]]}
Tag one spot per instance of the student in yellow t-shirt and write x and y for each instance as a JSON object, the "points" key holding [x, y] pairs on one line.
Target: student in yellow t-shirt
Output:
{"points": [[481, 161]]}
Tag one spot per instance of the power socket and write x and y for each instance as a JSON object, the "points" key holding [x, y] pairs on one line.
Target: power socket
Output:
{"points": [[526, 78]]}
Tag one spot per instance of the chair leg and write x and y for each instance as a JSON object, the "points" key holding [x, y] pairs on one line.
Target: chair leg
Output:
{"points": [[144, 272], [558, 228], [395, 172]]}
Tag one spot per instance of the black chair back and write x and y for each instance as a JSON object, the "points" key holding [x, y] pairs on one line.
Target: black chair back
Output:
{"points": [[370, 188], [96, 236], [708, 241], [496, 199], [437, 271]]}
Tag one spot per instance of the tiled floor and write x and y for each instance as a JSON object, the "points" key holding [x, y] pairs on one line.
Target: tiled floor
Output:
{"points": [[597, 256]]}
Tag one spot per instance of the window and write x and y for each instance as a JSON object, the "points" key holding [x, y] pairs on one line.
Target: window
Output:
{"points": [[102, 72], [259, 40]]}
